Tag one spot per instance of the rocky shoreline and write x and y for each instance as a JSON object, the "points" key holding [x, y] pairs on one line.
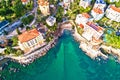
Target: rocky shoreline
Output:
{"points": [[84, 45], [31, 57], [87, 47]]}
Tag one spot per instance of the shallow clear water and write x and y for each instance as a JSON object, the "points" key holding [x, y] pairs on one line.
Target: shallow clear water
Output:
{"points": [[64, 62]]}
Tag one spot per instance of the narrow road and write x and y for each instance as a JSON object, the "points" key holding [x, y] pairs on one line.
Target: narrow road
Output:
{"points": [[12, 28]]}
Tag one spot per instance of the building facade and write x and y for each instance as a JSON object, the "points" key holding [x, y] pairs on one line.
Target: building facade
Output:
{"points": [[92, 31], [98, 9], [85, 3], [44, 7], [113, 13], [30, 39], [66, 3], [82, 18], [51, 20]]}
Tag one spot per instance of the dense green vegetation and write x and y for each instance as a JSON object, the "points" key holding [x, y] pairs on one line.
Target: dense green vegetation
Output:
{"points": [[117, 4], [10, 50], [107, 22], [54, 2], [75, 9], [28, 19], [14, 40], [113, 40], [80, 30], [59, 14], [13, 9]]}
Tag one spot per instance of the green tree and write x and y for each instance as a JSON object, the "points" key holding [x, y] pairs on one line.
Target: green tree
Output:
{"points": [[8, 3], [18, 8], [28, 19], [15, 40], [3, 3], [27, 28], [18, 31], [117, 4], [9, 50], [59, 14], [19, 52]]}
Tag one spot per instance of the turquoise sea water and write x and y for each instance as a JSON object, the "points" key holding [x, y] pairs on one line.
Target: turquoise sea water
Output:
{"points": [[64, 62]]}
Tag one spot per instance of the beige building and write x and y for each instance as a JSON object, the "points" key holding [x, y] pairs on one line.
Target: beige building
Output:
{"points": [[30, 39], [44, 7], [113, 13], [92, 31]]}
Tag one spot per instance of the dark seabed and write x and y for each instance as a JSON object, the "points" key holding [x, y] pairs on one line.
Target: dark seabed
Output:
{"points": [[64, 62]]}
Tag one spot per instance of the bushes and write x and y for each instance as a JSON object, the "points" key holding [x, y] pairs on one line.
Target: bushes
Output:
{"points": [[10, 50], [28, 19], [113, 40], [15, 41], [117, 4]]}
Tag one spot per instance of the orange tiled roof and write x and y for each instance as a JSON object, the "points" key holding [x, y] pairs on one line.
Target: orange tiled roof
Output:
{"points": [[43, 2], [81, 26], [97, 10], [28, 35], [115, 8], [86, 15], [24, 0]]}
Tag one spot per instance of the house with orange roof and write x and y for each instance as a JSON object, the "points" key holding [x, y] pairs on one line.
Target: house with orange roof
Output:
{"points": [[44, 7], [113, 13], [98, 10], [85, 3], [82, 18], [30, 39], [25, 1]]}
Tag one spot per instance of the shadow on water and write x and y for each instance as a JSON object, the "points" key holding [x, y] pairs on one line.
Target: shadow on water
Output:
{"points": [[85, 67]]}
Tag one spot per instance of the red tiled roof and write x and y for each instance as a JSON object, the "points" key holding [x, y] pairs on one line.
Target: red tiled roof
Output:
{"points": [[24, 0], [43, 2], [86, 15], [81, 26], [115, 8], [97, 10], [28, 35]]}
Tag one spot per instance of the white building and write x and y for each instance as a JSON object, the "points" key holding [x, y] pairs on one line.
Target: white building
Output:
{"points": [[44, 7], [113, 13], [92, 31], [98, 9], [82, 18], [30, 39], [66, 3], [85, 3], [51, 20]]}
